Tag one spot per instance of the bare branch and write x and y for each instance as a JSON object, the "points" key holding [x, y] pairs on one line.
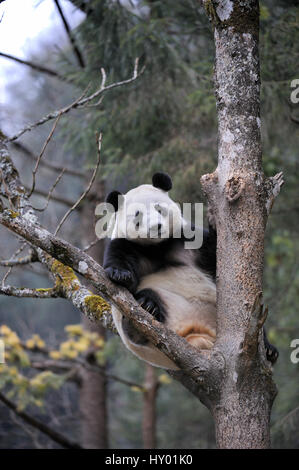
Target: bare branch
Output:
{"points": [[56, 198], [49, 117], [39, 68], [65, 366], [51, 166], [66, 282], [30, 258], [5, 277], [51, 433], [81, 102], [50, 192], [49, 293], [99, 144], [76, 49], [41, 154], [19, 250], [93, 243]]}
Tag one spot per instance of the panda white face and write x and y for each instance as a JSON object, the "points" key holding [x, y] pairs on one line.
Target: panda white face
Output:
{"points": [[147, 215]]}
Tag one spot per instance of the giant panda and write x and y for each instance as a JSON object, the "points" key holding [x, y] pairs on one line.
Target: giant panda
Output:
{"points": [[147, 254]]}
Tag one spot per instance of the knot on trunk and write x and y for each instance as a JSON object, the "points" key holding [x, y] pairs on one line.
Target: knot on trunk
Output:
{"points": [[209, 184], [256, 321], [234, 188], [273, 186]]}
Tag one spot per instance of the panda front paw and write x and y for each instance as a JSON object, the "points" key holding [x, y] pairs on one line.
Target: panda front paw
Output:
{"points": [[124, 277], [150, 301]]}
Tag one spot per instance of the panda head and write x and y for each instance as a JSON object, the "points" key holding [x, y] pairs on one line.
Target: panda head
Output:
{"points": [[146, 214]]}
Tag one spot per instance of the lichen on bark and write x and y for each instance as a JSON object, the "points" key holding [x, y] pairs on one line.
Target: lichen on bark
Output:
{"points": [[97, 305]]}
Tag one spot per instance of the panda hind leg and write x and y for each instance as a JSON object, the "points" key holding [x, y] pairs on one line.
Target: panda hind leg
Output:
{"points": [[152, 302], [200, 341]]}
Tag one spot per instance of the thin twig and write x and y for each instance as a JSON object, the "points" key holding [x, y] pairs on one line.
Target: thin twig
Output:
{"points": [[17, 252], [5, 277], [50, 192], [51, 433], [41, 155], [64, 366], [45, 194], [99, 141], [26, 292], [39, 68], [67, 28], [30, 258], [32, 433], [93, 243], [51, 166], [49, 117], [79, 103]]}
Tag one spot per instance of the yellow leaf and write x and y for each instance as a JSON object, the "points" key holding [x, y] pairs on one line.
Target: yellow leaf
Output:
{"points": [[71, 354], [55, 354], [5, 330], [82, 345], [74, 329], [99, 343], [30, 343], [164, 379], [40, 344], [134, 388]]}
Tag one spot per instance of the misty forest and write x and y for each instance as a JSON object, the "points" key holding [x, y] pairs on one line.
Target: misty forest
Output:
{"points": [[112, 93]]}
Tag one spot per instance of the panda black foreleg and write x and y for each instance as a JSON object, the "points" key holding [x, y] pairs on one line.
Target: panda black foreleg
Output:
{"points": [[271, 351], [152, 302], [121, 264]]}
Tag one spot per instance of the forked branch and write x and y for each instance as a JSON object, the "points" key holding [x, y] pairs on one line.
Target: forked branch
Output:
{"points": [[80, 102]]}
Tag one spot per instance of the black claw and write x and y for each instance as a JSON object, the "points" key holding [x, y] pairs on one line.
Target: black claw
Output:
{"points": [[120, 276], [150, 301]]}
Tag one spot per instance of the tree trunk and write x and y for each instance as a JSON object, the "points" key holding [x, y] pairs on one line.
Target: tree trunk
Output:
{"points": [[151, 386], [93, 390], [239, 198]]}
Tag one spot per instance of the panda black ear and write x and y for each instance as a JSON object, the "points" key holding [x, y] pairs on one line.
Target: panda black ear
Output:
{"points": [[162, 181], [115, 198]]}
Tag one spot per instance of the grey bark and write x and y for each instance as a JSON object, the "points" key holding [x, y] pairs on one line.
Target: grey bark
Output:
{"points": [[240, 198]]}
